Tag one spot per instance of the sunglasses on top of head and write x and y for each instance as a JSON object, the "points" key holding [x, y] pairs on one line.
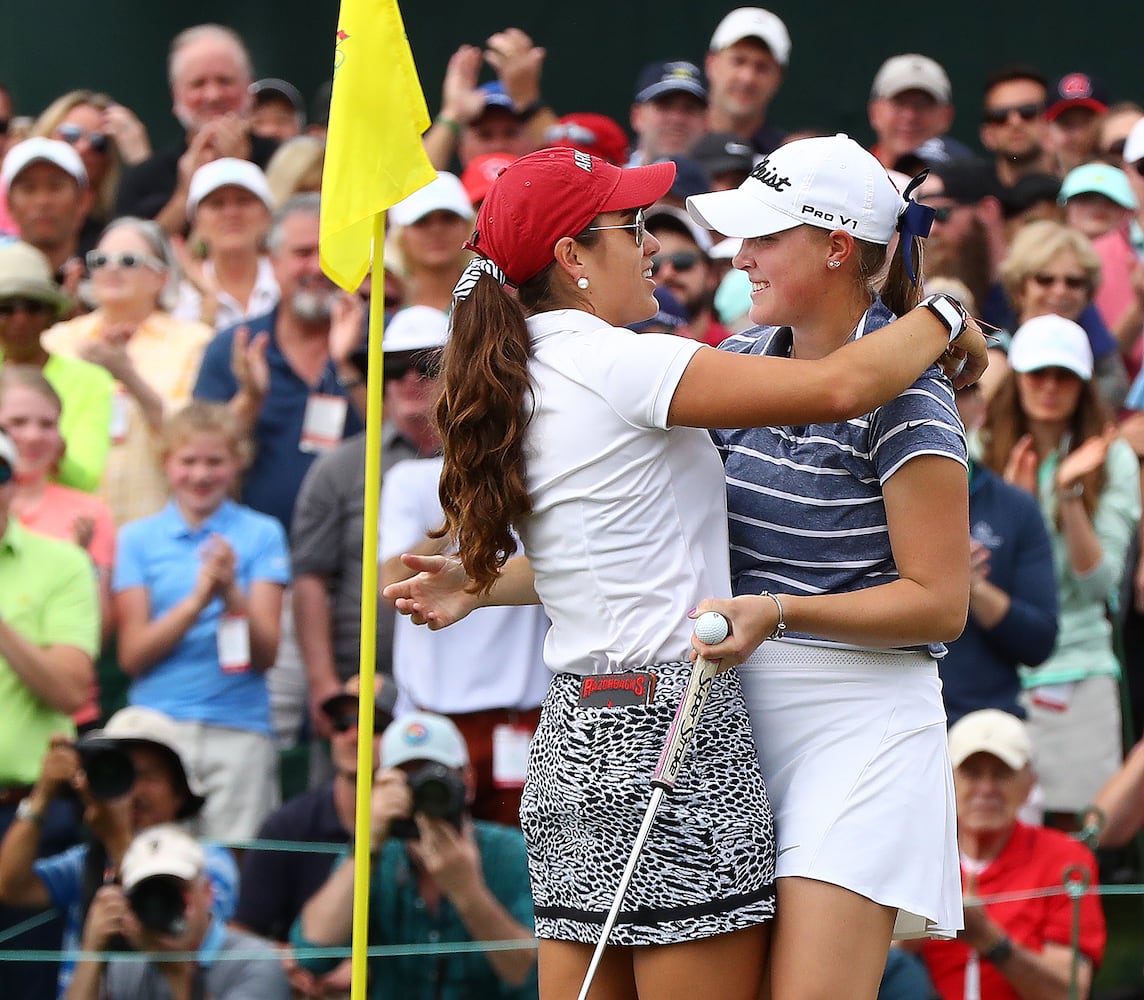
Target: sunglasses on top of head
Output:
{"points": [[33, 307], [638, 226], [999, 116]]}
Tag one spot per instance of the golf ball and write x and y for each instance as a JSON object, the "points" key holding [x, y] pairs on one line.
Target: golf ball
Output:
{"points": [[711, 627]]}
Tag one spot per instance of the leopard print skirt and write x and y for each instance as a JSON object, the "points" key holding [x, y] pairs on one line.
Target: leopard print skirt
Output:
{"points": [[708, 865]]}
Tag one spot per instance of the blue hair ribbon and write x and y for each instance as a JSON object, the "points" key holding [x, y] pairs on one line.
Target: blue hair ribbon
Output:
{"points": [[915, 219]]}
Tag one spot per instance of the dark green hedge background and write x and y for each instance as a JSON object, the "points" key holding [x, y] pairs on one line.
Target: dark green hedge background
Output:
{"points": [[595, 47]]}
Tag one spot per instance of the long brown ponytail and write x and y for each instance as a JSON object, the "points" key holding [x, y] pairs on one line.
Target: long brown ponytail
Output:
{"points": [[482, 415]]}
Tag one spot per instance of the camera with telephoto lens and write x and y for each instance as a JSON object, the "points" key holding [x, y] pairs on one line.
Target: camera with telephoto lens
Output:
{"points": [[160, 904], [438, 791], [109, 769]]}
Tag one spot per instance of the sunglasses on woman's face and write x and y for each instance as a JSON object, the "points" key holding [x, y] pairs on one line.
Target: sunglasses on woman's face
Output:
{"points": [[682, 261], [97, 260], [33, 307], [638, 226], [1073, 282], [73, 134]]}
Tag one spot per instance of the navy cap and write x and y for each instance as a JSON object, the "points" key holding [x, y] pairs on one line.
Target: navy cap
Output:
{"points": [[495, 96], [661, 78]]}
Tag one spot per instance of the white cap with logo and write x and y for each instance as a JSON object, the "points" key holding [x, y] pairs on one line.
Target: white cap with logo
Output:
{"points": [[416, 328], [989, 730], [828, 182], [753, 22], [1051, 342], [423, 736], [912, 72]]}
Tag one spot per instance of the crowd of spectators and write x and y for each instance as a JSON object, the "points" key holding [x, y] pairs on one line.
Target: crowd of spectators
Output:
{"points": [[182, 463]]}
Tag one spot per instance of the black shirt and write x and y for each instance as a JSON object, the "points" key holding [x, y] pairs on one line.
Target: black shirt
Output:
{"points": [[146, 187]]}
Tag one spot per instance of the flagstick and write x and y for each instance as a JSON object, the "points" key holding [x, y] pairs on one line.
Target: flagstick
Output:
{"points": [[368, 661]]}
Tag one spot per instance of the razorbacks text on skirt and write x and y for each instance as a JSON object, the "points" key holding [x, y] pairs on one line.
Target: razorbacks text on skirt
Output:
{"points": [[708, 865]]}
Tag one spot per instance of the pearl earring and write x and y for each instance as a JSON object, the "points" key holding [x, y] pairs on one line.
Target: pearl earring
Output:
{"points": [[581, 282], [834, 263]]}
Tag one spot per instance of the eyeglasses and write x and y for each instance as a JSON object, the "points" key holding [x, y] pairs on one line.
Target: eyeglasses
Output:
{"points": [[638, 226], [72, 134], [1073, 282], [97, 259], [682, 261], [570, 132], [6, 473], [33, 307], [999, 116]]}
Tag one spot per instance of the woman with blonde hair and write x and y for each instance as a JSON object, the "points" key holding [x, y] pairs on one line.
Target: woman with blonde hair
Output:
{"points": [[106, 135], [1048, 432], [296, 167], [1052, 269], [152, 356]]}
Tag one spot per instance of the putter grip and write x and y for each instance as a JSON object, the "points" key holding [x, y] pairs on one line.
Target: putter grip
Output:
{"points": [[683, 725]]}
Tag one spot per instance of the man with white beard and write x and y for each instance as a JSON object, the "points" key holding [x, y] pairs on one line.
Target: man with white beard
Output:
{"points": [[289, 378]]}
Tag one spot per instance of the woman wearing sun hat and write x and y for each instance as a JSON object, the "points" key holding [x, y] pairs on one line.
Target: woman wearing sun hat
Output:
{"points": [[859, 531], [618, 499]]}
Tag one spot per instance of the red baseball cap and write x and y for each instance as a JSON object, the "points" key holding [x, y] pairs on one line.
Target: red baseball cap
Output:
{"points": [[481, 172], [553, 193], [590, 133]]}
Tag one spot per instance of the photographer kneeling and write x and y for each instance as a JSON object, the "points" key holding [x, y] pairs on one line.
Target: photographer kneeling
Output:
{"points": [[129, 776], [164, 905], [438, 876]]}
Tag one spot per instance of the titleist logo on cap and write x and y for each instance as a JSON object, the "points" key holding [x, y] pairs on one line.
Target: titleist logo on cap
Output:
{"points": [[770, 177]]}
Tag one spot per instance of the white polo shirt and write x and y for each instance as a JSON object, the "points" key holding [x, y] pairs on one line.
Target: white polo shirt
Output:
{"points": [[629, 523], [493, 658]]}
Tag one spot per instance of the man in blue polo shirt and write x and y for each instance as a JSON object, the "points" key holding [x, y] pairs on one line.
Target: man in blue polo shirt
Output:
{"points": [[287, 375]]}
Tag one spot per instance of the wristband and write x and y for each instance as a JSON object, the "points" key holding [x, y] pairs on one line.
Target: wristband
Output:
{"points": [[26, 811], [1000, 953], [780, 625], [951, 313], [452, 126]]}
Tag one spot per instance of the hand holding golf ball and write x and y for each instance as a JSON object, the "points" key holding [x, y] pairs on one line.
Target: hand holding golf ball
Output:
{"points": [[711, 628]]}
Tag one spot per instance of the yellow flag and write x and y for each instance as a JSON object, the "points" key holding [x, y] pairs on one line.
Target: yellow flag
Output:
{"points": [[374, 155]]}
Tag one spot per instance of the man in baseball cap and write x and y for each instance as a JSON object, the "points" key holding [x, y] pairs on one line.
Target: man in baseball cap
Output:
{"points": [[668, 110], [48, 198], [165, 903], [1077, 105], [480, 868], [991, 753], [911, 102], [746, 62]]}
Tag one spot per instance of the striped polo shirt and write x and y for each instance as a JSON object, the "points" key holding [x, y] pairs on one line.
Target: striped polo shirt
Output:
{"points": [[805, 503]]}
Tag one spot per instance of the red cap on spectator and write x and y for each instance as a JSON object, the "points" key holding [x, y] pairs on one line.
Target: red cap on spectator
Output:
{"points": [[588, 132], [553, 193], [481, 172]]}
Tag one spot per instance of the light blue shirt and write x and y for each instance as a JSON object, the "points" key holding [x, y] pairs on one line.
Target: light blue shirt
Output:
{"points": [[162, 554]]}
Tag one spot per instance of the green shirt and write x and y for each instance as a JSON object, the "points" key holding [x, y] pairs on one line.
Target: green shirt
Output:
{"points": [[85, 421], [398, 915], [48, 596]]}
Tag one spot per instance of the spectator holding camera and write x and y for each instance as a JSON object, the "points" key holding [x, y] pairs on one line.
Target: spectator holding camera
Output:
{"points": [[277, 884], [130, 777], [438, 877], [198, 597], [164, 904]]}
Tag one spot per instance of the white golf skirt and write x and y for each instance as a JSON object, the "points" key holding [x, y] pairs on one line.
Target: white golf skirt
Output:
{"points": [[852, 745]]}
